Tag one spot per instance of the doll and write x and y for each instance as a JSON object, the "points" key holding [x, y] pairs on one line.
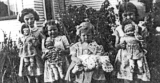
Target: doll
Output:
{"points": [[134, 47], [27, 48], [54, 58]]}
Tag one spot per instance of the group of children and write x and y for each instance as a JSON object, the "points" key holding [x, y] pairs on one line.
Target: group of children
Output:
{"points": [[56, 50]]}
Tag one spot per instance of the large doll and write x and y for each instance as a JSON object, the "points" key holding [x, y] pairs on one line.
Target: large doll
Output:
{"points": [[134, 47], [55, 53], [27, 49], [86, 46]]}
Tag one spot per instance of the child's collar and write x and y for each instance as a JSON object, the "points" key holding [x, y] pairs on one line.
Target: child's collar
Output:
{"points": [[34, 29]]}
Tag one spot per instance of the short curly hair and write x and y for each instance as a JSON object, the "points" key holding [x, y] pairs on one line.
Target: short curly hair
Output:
{"points": [[27, 11], [50, 23]]}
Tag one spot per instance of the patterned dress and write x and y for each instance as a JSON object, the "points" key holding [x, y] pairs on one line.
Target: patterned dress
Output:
{"points": [[93, 76], [37, 70], [60, 42], [123, 67]]}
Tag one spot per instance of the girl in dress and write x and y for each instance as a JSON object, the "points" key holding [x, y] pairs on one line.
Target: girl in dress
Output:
{"points": [[55, 48], [29, 17], [86, 45]]}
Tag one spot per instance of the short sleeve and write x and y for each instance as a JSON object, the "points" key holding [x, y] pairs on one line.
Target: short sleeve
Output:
{"points": [[65, 41]]}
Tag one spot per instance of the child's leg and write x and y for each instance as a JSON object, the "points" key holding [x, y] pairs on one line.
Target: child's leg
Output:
{"points": [[59, 67], [26, 62], [31, 59], [55, 71], [131, 63], [29, 79], [140, 64]]}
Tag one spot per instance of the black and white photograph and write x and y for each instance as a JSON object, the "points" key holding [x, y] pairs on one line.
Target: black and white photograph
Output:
{"points": [[79, 41]]}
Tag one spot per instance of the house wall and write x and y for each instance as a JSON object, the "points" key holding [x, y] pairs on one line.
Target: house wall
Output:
{"points": [[96, 4]]}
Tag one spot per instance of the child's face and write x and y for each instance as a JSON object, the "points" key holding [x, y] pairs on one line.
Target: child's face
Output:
{"points": [[29, 19], [52, 30], [129, 15], [26, 31], [86, 37]]}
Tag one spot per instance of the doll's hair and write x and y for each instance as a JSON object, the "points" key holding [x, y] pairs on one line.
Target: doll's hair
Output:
{"points": [[51, 23], [126, 22], [23, 27], [27, 11], [129, 28]]}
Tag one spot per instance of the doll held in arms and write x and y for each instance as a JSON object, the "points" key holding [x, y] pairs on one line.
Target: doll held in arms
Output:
{"points": [[53, 56], [134, 46], [27, 48]]}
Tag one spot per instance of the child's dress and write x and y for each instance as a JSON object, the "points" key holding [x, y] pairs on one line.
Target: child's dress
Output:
{"points": [[85, 76], [62, 43], [133, 47]]}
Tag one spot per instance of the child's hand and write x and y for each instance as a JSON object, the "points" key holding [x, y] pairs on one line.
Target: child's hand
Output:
{"points": [[78, 61], [123, 46]]}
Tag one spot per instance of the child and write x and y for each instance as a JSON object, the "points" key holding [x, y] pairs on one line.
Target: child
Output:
{"points": [[27, 49], [134, 47], [86, 46], [55, 49]]}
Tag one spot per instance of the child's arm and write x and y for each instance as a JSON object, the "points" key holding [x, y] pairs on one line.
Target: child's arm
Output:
{"points": [[73, 53], [75, 58], [44, 49], [66, 46], [117, 38], [122, 44]]}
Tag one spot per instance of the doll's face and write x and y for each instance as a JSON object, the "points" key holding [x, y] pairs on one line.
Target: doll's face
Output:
{"points": [[52, 30], [86, 37], [26, 31], [29, 19]]}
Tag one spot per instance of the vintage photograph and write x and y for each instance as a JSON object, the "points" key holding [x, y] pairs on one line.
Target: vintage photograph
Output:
{"points": [[79, 41]]}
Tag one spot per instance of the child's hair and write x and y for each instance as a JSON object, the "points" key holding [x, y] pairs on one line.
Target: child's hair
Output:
{"points": [[27, 11], [23, 27], [85, 27], [51, 23]]}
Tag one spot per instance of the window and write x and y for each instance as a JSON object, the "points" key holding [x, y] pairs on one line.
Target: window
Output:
{"points": [[8, 9]]}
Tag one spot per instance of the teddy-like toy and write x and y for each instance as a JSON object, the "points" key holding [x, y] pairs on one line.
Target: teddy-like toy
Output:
{"points": [[90, 62]]}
